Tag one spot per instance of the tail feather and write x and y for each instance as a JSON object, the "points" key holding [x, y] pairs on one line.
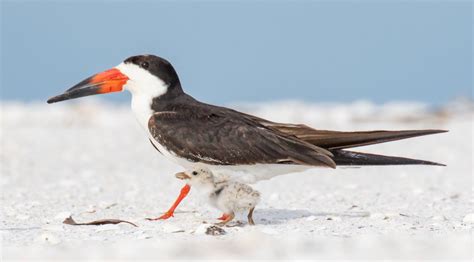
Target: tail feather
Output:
{"points": [[340, 140], [336, 141], [351, 158]]}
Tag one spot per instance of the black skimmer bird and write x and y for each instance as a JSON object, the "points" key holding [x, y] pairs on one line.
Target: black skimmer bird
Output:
{"points": [[194, 134]]}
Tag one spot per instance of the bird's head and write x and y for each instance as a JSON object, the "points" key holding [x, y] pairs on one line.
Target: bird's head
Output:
{"points": [[146, 75], [197, 177]]}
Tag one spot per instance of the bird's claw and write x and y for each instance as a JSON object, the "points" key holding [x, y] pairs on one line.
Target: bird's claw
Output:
{"points": [[162, 217]]}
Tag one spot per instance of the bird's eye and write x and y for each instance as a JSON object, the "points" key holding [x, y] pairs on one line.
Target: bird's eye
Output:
{"points": [[144, 65], [195, 173]]}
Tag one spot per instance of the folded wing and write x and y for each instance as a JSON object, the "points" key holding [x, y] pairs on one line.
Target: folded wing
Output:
{"points": [[222, 139]]}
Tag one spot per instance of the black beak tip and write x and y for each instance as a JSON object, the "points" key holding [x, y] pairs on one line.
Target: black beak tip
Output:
{"points": [[53, 100], [58, 98]]}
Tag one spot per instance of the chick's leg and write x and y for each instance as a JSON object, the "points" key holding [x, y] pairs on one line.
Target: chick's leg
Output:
{"points": [[184, 192], [250, 216], [227, 220]]}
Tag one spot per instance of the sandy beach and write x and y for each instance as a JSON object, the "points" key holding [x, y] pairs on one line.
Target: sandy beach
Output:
{"points": [[91, 160]]}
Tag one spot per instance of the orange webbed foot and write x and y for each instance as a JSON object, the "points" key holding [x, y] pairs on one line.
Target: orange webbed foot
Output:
{"points": [[162, 217], [223, 217]]}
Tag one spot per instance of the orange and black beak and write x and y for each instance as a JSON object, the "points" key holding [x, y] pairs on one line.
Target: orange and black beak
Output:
{"points": [[106, 82]]}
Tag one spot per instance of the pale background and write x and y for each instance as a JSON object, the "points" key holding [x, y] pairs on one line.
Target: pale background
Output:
{"points": [[247, 50]]}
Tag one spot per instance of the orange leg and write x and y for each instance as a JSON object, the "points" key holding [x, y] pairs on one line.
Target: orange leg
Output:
{"points": [[184, 192], [227, 220], [224, 216]]}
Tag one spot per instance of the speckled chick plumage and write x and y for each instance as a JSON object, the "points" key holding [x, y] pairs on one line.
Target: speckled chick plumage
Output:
{"points": [[229, 196]]}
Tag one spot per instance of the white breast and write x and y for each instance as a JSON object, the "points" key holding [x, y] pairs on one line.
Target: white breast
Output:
{"points": [[144, 87]]}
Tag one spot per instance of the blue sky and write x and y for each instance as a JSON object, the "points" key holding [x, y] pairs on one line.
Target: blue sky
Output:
{"points": [[316, 51]]}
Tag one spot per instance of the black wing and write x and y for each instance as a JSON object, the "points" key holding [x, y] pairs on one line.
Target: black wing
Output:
{"points": [[229, 138]]}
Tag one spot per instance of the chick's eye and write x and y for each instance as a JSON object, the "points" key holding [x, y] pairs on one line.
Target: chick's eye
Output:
{"points": [[144, 65], [195, 173]]}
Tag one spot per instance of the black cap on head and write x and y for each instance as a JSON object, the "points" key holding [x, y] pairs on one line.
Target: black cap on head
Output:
{"points": [[157, 66]]}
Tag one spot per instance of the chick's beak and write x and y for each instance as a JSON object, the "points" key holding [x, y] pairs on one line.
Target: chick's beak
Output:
{"points": [[182, 176], [108, 81]]}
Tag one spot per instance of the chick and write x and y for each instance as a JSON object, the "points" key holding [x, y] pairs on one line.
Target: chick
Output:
{"points": [[228, 196]]}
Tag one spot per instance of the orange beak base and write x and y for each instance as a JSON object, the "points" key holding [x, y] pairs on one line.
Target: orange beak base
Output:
{"points": [[106, 82]]}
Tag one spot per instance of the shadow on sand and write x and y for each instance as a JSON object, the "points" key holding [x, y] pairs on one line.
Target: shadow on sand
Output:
{"points": [[279, 216]]}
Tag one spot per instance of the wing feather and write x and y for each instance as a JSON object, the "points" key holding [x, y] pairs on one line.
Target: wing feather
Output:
{"points": [[340, 140], [220, 139]]}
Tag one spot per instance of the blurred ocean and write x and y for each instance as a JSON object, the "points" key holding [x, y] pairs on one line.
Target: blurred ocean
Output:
{"points": [[316, 51]]}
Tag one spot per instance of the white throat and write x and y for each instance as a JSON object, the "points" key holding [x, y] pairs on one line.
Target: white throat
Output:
{"points": [[144, 86]]}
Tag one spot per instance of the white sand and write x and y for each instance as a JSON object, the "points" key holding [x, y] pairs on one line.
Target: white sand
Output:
{"points": [[93, 161]]}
